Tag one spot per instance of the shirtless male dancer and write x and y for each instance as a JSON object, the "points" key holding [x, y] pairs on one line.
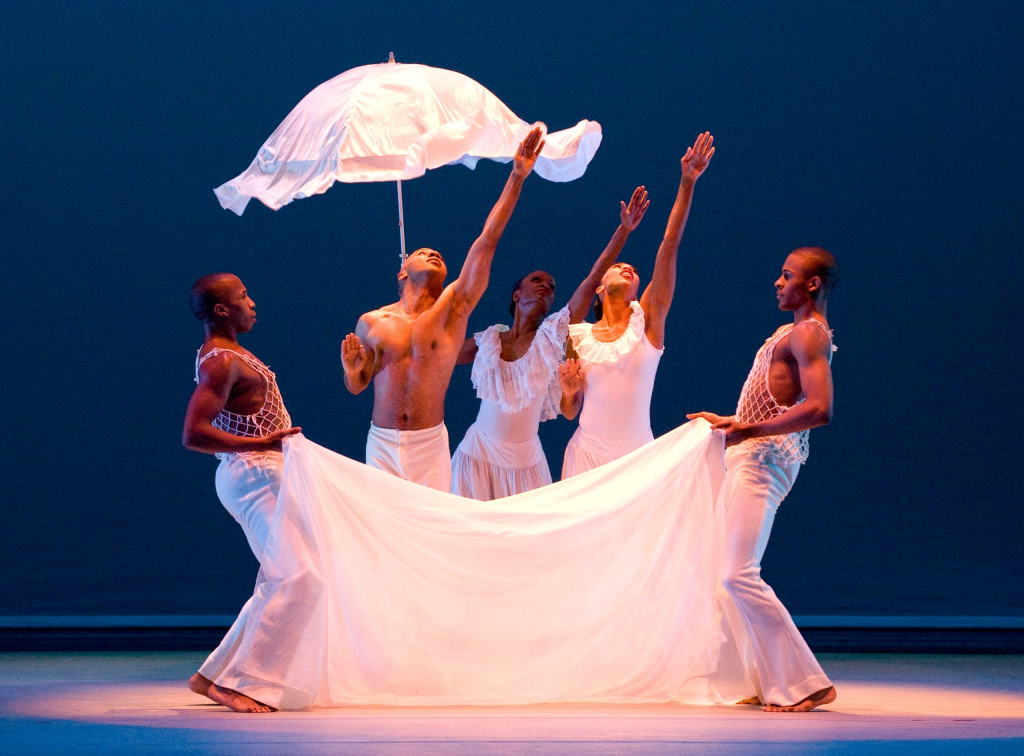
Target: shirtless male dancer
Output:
{"points": [[613, 377], [788, 392], [409, 348], [237, 414]]}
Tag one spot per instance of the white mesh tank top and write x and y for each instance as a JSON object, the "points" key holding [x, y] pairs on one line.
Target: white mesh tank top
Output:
{"points": [[272, 415], [757, 404]]}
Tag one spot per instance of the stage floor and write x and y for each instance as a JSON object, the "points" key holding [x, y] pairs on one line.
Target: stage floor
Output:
{"points": [[109, 703]]}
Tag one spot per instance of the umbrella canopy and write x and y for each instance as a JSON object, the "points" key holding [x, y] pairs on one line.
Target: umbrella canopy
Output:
{"points": [[391, 122]]}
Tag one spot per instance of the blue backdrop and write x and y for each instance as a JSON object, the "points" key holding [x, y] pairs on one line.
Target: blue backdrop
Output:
{"points": [[886, 132]]}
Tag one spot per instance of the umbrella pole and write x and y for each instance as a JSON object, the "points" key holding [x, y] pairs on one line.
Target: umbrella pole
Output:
{"points": [[401, 221]]}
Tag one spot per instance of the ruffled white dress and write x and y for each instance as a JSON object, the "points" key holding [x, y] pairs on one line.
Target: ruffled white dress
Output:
{"points": [[616, 415], [501, 454]]}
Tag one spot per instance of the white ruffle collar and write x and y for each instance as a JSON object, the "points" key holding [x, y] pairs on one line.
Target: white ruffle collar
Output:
{"points": [[514, 385], [607, 352]]}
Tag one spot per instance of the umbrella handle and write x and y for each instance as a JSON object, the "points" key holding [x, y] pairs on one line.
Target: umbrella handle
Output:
{"points": [[401, 222]]}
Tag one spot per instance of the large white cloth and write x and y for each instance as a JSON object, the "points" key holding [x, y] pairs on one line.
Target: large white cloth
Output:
{"points": [[600, 588], [248, 489], [778, 667], [616, 414], [391, 122], [501, 454], [419, 456]]}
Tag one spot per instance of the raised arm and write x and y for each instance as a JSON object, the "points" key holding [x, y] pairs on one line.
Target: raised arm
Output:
{"points": [[657, 298], [468, 351], [476, 271], [217, 375], [629, 218], [810, 347], [357, 359]]}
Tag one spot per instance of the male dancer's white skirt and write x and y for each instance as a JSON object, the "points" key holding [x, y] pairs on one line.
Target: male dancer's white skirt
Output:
{"points": [[599, 588], [418, 456], [587, 452], [764, 654], [248, 490], [486, 469]]}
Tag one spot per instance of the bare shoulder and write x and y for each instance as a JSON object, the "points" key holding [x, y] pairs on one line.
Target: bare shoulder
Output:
{"points": [[220, 367], [809, 339], [369, 319]]}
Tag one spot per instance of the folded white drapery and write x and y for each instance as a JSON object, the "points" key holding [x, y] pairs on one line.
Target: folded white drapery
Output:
{"points": [[392, 122], [599, 588]]}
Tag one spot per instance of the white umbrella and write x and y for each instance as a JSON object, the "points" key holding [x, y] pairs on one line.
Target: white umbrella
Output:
{"points": [[391, 122]]}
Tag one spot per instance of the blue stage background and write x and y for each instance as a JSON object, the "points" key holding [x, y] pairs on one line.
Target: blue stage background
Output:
{"points": [[888, 133]]}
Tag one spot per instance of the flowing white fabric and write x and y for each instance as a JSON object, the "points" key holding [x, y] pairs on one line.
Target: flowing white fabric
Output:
{"points": [[248, 489], [616, 414], [777, 665], [599, 588], [501, 454], [418, 456], [391, 122]]}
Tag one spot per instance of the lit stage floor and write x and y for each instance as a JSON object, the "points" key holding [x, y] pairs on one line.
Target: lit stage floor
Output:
{"points": [[108, 703]]}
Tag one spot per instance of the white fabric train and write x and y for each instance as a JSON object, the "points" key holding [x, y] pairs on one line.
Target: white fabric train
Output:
{"points": [[601, 588]]}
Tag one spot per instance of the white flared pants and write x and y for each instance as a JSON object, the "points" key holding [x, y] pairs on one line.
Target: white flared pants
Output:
{"points": [[248, 490], [419, 456], [777, 662]]}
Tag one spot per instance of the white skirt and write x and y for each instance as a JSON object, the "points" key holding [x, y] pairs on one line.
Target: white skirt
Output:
{"points": [[586, 452], [486, 469]]}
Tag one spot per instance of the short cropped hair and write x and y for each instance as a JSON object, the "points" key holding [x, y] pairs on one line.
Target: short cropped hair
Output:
{"points": [[207, 293], [823, 265]]}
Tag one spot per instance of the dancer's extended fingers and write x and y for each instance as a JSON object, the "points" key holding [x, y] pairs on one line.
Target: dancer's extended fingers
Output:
{"points": [[540, 148]]}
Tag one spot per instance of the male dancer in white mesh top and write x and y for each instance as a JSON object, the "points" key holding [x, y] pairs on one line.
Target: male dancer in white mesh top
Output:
{"points": [[237, 414], [788, 392], [409, 348]]}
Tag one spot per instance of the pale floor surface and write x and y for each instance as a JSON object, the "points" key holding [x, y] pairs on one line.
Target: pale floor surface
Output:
{"points": [[138, 704]]}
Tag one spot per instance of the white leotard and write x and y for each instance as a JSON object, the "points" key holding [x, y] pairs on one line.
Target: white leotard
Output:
{"points": [[620, 378], [516, 397]]}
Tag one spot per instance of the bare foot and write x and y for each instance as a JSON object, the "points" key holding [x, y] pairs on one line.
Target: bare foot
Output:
{"points": [[199, 684], [825, 696], [236, 701], [752, 701]]}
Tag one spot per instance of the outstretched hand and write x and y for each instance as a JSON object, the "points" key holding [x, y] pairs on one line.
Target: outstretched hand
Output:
{"points": [[528, 152], [570, 376], [696, 159], [353, 354], [274, 440], [630, 215], [735, 431]]}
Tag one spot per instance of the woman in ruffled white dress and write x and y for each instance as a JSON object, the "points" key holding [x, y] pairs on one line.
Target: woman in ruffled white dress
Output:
{"points": [[515, 373], [617, 357]]}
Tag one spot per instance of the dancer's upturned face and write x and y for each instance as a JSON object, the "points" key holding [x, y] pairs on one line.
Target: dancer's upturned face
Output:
{"points": [[241, 310], [536, 288], [424, 264], [793, 287], [622, 280]]}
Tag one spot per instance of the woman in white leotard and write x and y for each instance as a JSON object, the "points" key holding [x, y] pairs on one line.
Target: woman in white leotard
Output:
{"points": [[617, 357], [515, 373]]}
